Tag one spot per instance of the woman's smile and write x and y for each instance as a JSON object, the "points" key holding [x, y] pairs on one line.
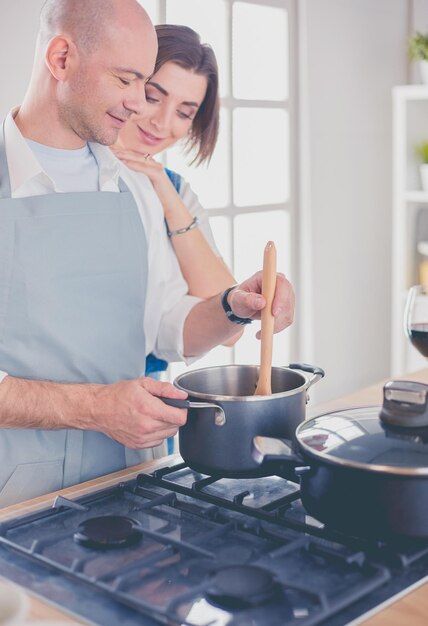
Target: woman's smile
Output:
{"points": [[148, 138]]}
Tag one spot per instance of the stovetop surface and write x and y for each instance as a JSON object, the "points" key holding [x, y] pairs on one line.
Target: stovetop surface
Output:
{"points": [[205, 552]]}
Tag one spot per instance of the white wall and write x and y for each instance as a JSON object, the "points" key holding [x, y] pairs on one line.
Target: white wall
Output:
{"points": [[18, 28], [356, 53]]}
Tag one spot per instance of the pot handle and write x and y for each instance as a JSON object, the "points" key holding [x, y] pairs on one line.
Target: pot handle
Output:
{"points": [[278, 455], [317, 372], [219, 414]]}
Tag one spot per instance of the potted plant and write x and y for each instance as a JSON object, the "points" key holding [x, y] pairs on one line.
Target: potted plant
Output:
{"points": [[418, 51], [422, 151]]}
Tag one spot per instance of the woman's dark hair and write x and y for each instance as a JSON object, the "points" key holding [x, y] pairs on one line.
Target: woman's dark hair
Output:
{"points": [[181, 45]]}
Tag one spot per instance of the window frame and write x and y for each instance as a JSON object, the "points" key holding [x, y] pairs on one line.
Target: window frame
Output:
{"points": [[291, 106]]}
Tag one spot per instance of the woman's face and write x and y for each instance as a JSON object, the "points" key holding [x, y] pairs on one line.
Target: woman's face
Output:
{"points": [[173, 95]]}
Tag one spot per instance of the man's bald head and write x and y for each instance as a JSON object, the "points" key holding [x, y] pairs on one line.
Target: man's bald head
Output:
{"points": [[92, 60], [87, 22]]}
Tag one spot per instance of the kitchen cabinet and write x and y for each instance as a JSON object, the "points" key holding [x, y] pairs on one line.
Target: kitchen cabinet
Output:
{"points": [[409, 214]]}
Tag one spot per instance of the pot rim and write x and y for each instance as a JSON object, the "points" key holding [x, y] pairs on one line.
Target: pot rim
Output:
{"points": [[333, 460], [253, 398], [376, 469]]}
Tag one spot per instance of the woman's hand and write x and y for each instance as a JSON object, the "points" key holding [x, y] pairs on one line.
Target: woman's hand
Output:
{"points": [[144, 162], [175, 212]]}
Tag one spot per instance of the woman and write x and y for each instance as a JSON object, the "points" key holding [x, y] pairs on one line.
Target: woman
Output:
{"points": [[182, 103]]}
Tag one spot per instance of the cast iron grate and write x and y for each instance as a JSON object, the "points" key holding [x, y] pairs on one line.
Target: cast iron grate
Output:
{"points": [[284, 507]]}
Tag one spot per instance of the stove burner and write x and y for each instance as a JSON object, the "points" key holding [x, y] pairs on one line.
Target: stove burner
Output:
{"points": [[242, 586], [109, 531]]}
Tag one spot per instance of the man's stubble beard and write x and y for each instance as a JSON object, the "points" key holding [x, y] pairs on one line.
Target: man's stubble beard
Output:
{"points": [[80, 113]]}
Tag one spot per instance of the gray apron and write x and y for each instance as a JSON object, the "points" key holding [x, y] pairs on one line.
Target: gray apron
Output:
{"points": [[73, 272]]}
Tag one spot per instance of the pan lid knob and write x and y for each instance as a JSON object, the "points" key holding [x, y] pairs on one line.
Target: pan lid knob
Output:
{"points": [[405, 404]]}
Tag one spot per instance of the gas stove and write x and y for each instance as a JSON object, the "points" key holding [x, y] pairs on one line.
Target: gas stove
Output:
{"points": [[179, 548]]}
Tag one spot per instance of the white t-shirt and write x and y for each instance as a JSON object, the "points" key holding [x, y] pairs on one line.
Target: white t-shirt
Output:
{"points": [[70, 169]]}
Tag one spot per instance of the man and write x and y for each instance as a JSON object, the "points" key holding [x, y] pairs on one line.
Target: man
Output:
{"points": [[88, 283]]}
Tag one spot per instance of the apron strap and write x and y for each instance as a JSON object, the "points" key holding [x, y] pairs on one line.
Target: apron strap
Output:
{"points": [[5, 191], [73, 457], [123, 187]]}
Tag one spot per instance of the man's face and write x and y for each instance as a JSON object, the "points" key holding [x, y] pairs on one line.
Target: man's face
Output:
{"points": [[108, 85]]}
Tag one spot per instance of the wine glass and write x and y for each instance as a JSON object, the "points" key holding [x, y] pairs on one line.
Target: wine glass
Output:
{"points": [[416, 318]]}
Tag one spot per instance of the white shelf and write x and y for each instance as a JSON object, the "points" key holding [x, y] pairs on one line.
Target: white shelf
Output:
{"points": [[411, 92], [416, 196]]}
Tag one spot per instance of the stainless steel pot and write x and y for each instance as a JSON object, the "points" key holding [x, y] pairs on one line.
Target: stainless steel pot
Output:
{"points": [[225, 416]]}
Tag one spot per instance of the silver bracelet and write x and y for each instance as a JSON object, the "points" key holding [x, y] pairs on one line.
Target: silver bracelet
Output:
{"points": [[180, 231]]}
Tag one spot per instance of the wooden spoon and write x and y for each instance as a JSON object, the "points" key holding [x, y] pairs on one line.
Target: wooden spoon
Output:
{"points": [[264, 387]]}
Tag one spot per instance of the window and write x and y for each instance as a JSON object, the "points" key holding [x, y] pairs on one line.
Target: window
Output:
{"points": [[247, 188]]}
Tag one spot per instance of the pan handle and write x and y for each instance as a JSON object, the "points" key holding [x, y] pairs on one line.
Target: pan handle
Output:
{"points": [[219, 414], [278, 454], [317, 372]]}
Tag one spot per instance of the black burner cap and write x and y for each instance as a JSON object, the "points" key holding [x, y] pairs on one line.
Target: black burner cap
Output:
{"points": [[241, 586], [110, 531]]}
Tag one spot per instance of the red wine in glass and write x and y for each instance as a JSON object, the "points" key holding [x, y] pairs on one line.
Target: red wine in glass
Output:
{"points": [[418, 334], [416, 318]]}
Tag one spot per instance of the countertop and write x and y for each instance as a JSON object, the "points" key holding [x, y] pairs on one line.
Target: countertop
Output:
{"points": [[412, 607]]}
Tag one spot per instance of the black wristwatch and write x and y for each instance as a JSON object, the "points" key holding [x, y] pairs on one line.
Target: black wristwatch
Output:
{"points": [[230, 314]]}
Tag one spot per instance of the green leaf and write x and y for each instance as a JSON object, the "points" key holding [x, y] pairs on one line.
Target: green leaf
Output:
{"points": [[422, 151], [418, 47]]}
